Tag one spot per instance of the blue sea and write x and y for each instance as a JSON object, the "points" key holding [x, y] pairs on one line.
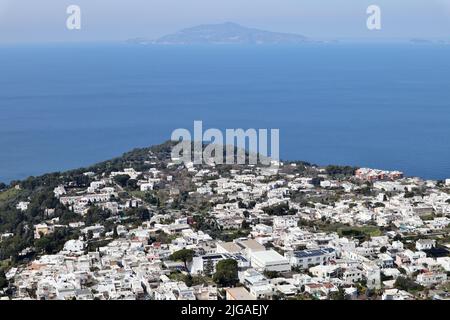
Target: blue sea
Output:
{"points": [[377, 105]]}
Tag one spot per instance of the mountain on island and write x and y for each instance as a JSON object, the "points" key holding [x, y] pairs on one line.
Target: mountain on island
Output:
{"points": [[225, 33]]}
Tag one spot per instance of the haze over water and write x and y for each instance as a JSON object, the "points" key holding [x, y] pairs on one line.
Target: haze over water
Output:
{"points": [[377, 105]]}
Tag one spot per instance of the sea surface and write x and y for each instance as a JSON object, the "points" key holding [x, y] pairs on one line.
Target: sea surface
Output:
{"points": [[377, 105]]}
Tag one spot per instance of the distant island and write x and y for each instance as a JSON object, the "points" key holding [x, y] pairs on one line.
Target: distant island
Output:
{"points": [[428, 41], [224, 33]]}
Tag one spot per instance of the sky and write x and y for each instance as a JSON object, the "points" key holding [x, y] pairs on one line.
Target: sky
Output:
{"points": [[25, 21]]}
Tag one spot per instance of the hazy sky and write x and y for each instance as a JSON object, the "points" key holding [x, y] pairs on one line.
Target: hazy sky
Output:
{"points": [[106, 20]]}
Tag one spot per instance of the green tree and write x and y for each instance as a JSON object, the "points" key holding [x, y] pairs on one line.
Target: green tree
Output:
{"points": [[132, 184], [272, 274], [140, 213], [122, 179], [208, 269], [338, 295], [96, 214], [189, 281], [407, 284], [3, 281], [409, 194], [43, 244], [340, 170], [245, 225], [184, 255], [226, 273]]}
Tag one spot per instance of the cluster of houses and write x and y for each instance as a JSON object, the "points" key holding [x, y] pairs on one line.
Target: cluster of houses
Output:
{"points": [[287, 249], [130, 268], [376, 175]]}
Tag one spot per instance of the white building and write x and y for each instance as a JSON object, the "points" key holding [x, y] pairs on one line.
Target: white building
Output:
{"points": [[285, 222], [396, 294], [200, 264], [431, 278], [269, 260], [22, 206], [425, 244], [308, 258]]}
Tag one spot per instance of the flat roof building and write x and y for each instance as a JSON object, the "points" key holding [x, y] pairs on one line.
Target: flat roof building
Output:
{"points": [[239, 293], [308, 258], [269, 260]]}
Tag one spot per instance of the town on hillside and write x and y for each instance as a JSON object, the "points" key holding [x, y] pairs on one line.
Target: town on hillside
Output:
{"points": [[145, 227]]}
